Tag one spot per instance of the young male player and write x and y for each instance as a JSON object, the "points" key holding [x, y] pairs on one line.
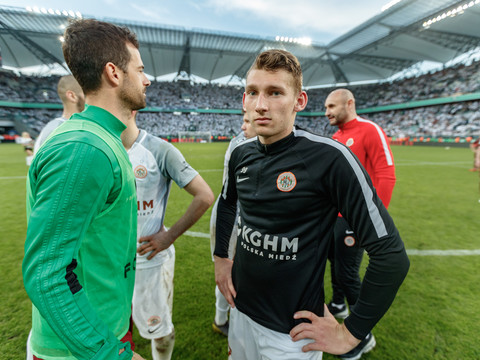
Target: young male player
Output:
{"points": [[220, 323], [291, 184], [369, 143], [79, 264], [155, 164]]}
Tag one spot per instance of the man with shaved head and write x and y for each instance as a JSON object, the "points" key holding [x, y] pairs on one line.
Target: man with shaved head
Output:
{"points": [[369, 143], [73, 100]]}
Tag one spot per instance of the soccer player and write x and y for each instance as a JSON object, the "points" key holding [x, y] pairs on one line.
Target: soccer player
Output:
{"points": [[291, 184], [155, 164], [27, 142], [220, 323], [73, 100], [369, 143], [475, 146], [79, 264], [477, 157]]}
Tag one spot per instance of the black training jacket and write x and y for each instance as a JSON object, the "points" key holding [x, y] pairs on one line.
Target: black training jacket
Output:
{"points": [[290, 193]]}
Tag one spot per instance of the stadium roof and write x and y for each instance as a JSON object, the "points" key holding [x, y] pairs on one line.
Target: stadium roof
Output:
{"points": [[407, 33]]}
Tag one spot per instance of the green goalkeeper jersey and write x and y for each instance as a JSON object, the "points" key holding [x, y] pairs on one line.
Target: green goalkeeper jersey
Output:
{"points": [[79, 264]]}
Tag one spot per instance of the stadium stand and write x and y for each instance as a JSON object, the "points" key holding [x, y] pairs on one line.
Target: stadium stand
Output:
{"points": [[186, 106]]}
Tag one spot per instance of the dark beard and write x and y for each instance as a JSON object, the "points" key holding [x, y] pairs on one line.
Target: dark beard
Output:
{"points": [[132, 103]]}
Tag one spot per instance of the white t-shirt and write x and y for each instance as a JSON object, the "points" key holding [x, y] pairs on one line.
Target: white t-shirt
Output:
{"points": [[47, 130], [155, 164]]}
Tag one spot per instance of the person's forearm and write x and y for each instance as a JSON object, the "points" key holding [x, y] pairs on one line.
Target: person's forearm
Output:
{"points": [[195, 211], [226, 214], [385, 273]]}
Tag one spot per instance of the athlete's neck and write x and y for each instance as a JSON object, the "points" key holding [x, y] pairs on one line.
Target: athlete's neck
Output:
{"points": [[130, 134]]}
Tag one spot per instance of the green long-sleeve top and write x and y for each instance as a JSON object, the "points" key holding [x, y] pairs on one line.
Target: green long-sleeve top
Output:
{"points": [[80, 247]]}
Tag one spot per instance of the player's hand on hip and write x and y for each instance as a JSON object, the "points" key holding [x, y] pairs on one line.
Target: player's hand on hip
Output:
{"points": [[328, 335], [154, 243], [223, 278]]}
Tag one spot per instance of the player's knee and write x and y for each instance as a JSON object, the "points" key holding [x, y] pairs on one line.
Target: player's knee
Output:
{"points": [[163, 344]]}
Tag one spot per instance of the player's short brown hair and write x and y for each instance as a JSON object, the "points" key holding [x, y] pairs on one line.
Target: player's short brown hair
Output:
{"points": [[90, 44], [276, 59]]}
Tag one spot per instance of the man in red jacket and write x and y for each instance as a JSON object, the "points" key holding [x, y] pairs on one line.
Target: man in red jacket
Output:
{"points": [[369, 143]]}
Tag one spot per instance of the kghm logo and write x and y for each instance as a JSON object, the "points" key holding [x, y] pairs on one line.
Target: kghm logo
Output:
{"points": [[286, 181], [140, 172]]}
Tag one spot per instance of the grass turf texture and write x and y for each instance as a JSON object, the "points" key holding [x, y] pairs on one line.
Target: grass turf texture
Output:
{"points": [[435, 206]]}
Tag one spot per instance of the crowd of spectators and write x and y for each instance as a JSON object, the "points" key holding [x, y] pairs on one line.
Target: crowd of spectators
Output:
{"points": [[169, 102], [30, 89], [460, 79]]}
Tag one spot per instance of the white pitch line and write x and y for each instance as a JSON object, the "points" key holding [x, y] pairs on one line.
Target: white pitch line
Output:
{"points": [[430, 163], [23, 177], [12, 177], [197, 234], [443, 252], [412, 252]]}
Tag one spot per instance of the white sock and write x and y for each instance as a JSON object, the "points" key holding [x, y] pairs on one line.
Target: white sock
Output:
{"points": [[221, 308]]}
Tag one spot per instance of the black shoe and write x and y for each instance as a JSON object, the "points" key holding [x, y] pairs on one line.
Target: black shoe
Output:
{"points": [[221, 329], [365, 346], [340, 311]]}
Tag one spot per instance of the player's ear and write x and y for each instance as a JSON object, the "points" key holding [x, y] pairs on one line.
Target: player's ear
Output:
{"points": [[301, 102], [71, 96], [112, 73]]}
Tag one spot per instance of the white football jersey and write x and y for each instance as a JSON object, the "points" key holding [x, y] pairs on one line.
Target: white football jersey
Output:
{"points": [[156, 163]]}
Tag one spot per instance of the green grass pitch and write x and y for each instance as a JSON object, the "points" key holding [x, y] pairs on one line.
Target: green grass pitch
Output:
{"points": [[435, 206]]}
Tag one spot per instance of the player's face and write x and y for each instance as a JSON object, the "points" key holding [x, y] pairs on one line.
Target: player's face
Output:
{"points": [[134, 89], [336, 109], [247, 128], [271, 103]]}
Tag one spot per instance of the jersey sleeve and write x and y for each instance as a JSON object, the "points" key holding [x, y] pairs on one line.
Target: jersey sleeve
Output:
{"points": [[382, 166], [71, 184], [354, 196], [226, 212], [173, 165], [226, 160]]}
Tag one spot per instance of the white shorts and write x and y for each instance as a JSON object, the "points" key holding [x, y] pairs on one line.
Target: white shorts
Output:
{"points": [[249, 340], [213, 232], [152, 301]]}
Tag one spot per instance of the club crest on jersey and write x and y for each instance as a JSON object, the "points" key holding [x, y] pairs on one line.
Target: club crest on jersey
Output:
{"points": [[349, 142], [140, 172], [349, 241], [286, 181]]}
